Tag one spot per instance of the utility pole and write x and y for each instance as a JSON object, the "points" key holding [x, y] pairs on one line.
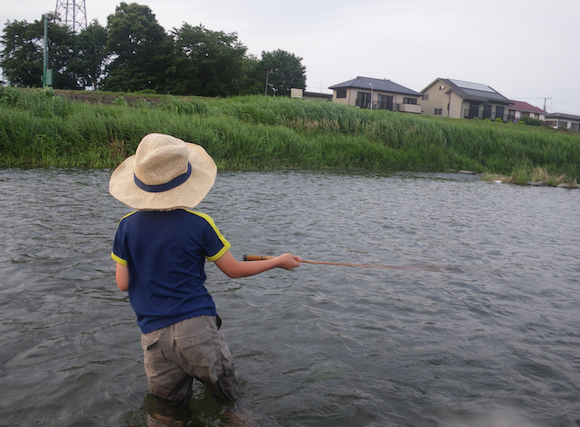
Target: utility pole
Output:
{"points": [[72, 13], [46, 73], [546, 99], [266, 88], [45, 55]]}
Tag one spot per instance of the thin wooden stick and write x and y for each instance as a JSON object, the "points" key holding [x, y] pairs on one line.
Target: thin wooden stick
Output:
{"points": [[391, 267]]}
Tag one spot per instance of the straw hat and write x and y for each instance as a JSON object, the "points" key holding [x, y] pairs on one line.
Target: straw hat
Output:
{"points": [[165, 173]]}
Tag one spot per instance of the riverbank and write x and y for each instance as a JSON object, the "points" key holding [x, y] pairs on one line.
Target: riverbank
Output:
{"points": [[41, 128]]}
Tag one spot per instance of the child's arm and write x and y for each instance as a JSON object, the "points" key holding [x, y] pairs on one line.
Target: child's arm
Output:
{"points": [[234, 269], [122, 277]]}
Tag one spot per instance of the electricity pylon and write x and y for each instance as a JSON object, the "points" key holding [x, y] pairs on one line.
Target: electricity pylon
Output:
{"points": [[72, 13]]}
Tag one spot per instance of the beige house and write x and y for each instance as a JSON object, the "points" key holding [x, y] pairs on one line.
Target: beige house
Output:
{"points": [[461, 99], [380, 94]]}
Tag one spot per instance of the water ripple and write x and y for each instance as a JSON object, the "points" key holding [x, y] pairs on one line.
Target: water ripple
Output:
{"points": [[491, 340]]}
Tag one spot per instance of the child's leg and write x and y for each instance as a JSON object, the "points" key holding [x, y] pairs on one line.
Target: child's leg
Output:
{"points": [[166, 377], [203, 353]]}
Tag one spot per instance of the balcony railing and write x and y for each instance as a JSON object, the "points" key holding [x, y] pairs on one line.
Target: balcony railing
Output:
{"points": [[409, 108], [403, 108], [491, 116]]}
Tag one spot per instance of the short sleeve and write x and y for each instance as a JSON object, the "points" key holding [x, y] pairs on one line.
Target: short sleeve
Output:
{"points": [[119, 253], [214, 242]]}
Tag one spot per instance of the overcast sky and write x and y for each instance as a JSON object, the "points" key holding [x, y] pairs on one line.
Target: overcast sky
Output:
{"points": [[528, 50]]}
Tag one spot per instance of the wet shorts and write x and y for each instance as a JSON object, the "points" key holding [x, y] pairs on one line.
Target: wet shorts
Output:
{"points": [[192, 348]]}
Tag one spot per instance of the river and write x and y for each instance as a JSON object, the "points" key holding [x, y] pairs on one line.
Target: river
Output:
{"points": [[491, 339]]}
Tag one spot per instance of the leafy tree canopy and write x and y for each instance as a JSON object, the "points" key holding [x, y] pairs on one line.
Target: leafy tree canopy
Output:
{"points": [[134, 53], [206, 63], [91, 55], [140, 49], [23, 54], [283, 71]]}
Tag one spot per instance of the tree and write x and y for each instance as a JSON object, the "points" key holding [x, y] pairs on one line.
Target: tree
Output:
{"points": [[23, 54], [251, 82], [140, 49], [206, 63], [90, 58], [283, 71]]}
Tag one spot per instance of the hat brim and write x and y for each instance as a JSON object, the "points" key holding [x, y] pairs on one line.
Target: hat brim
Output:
{"points": [[187, 195]]}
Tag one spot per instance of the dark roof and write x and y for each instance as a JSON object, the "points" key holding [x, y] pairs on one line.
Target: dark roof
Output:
{"points": [[562, 116], [382, 85], [524, 106], [316, 95], [473, 91]]}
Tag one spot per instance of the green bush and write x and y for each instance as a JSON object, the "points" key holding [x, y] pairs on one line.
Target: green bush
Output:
{"points": [[531, 122], [120, 101]]}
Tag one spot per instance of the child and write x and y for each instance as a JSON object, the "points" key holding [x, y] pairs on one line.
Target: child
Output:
{"points": [[160, 250]]}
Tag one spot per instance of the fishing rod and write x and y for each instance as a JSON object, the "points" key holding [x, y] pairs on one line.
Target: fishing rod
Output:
{"points": [[347, 264]]}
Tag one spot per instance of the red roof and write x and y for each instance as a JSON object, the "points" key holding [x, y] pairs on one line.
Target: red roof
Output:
{"points": [[524, 106]]}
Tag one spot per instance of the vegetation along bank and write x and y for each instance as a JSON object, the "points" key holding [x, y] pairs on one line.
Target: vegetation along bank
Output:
{"points": [[39, 127]]}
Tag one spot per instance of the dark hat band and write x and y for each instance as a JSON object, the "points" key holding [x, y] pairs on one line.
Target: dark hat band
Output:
{"points": [[159, 188]]}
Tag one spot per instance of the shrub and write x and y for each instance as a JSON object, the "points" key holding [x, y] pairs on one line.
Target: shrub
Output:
{"points": [[120, 101], [530, 121]]}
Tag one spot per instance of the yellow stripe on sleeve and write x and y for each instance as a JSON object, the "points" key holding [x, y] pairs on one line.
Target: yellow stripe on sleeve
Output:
{"points": [[226, 244], [220, 253], [118, 260]]}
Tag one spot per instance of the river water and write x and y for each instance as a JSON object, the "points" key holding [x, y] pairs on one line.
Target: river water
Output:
{"points": [[490, 340]]}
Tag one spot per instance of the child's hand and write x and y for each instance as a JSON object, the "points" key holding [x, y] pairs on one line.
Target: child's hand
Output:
{"points": [[289, 261]]}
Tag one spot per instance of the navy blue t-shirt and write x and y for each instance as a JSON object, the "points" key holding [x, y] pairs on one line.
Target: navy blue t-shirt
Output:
{"points": [[165, 252]]}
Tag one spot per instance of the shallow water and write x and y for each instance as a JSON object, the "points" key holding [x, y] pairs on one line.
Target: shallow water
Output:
{"points": [[492, 340]]}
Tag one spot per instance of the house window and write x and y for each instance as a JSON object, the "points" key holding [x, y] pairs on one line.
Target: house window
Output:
{"points": [[473, 110], [575, 126], [410, 101], [438, 111], [425, 97], [487, 111], [363, 99], [385, 102], [341, 93], [499, 112]]}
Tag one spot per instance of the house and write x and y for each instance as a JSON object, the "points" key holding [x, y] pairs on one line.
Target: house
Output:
{"points": [[519, 109], [461, 99], [380, 94], [562, 120]]}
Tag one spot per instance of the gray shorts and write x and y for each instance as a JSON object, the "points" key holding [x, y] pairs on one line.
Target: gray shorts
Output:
{"points": [[192, 348]]}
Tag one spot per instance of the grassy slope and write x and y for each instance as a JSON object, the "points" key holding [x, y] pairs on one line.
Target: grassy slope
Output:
{"points": [[40, 129]]}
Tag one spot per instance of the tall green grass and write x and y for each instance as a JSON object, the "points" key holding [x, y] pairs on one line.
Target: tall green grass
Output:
{"points": [[38, 128]]}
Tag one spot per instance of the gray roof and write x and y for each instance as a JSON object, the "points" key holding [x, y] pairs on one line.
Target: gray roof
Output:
{"points": [[306, 94], [474, 91], [563, 116], [382, 85]]}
